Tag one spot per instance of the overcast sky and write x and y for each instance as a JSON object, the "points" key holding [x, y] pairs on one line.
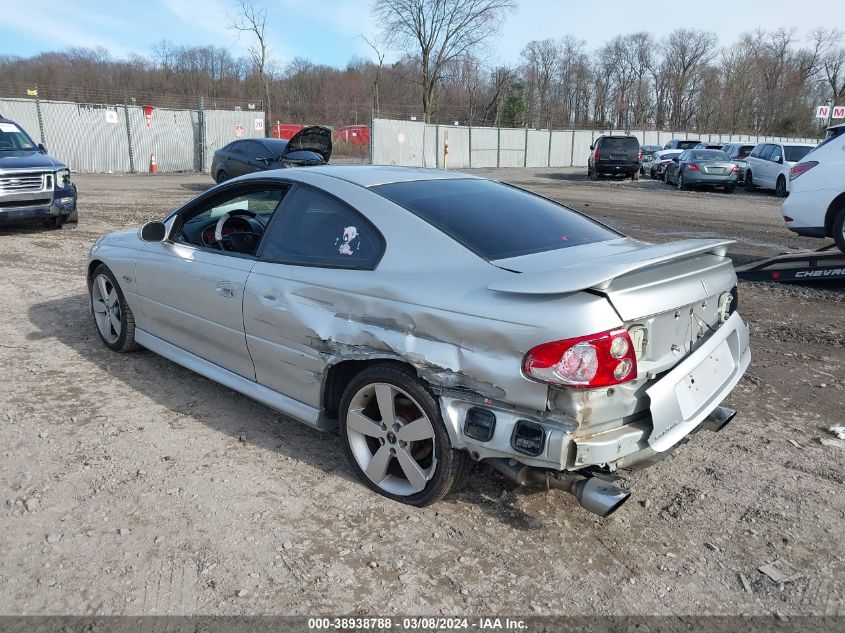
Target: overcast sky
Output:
{"points": [[329, 31]]}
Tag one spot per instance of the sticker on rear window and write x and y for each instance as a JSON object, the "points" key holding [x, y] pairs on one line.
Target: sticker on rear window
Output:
{"points": [[348, 243]]}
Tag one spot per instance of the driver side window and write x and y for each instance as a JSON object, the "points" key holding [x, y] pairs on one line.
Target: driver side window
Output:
{"points": [[246, 210]]}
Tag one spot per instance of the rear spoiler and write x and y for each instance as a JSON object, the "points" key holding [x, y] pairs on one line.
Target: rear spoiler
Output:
{"points": [[598, 274]]}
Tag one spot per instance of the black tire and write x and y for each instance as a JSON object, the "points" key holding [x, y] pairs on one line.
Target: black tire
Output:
{"points": [[635, 175], [126, 340], [749, 182], [451, 465], [593, 173], [54, 223], [73, 218], [730, 188], [221, 176], [780, 187], [681, 185], [839, 230]]}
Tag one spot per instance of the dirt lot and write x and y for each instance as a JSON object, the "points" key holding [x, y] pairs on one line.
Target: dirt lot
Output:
{"points": [[133, 486]]}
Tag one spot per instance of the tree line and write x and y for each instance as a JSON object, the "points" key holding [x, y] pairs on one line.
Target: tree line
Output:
{"points": [[764, 83]]}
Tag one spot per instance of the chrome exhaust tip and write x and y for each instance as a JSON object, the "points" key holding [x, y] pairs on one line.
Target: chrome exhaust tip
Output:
{"points": [[598, 496], [719, 418], [592, 493]]}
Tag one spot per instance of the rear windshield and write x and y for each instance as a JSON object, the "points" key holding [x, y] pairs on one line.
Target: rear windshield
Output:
{"points": [[794, 153], [493, 220], [832, 133], [620, 144], [709, 154], [687, 144], [744, 151]]}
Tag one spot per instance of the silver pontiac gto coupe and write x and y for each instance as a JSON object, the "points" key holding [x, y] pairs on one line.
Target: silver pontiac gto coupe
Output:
{"points": [[435, 319]]}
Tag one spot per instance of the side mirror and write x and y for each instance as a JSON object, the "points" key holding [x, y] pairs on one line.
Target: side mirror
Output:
{"points": [[154, 232], [779, 159], [592, 147], [675, 160], [41, 148]]}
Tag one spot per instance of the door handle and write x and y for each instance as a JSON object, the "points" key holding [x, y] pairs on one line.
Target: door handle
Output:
{"points": [[227, 289]]}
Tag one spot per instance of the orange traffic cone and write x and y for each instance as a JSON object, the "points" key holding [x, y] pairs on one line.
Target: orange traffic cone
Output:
{"points": [[153, 166]]}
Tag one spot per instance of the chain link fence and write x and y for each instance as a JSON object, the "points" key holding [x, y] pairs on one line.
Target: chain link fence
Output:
{"points": [[112, 138], [418, 144]]}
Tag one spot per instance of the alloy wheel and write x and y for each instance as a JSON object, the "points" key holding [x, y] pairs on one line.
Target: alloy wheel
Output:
{"points": [[106, 308], [391, 438]]}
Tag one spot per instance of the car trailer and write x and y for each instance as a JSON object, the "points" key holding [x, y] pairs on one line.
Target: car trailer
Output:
{"points": [[824, 263]]}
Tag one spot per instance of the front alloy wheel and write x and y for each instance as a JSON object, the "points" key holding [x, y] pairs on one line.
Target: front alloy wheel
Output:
{"points": [[112, 315], [395, 438]]}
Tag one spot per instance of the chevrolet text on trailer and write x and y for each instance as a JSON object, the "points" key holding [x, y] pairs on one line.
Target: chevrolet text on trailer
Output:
{"points": [[435, 319]]}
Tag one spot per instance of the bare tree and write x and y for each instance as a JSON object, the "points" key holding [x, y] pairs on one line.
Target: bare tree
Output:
{"points": [[253, 21], [437, 32], [377, 75]]}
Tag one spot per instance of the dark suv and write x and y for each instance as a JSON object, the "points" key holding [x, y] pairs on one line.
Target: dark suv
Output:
{"points": [[33, 186], [615, 155]]}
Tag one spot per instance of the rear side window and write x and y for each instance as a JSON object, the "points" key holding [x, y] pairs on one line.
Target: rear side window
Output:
{"points": [[319, 230], [493, 220]]}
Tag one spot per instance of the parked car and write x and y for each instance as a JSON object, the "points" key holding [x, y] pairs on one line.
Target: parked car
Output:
{"points": [[33, 185], [816, 203], [285, 131], [768, 165], [614, 155], [738, 153], [648, 154], [681, 144], [710, 146], [353, 134], [702, 168], [657, 165], [436, 319], [308, 147]]}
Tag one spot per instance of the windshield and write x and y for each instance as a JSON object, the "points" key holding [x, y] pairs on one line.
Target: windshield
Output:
{"points": [[275, 145], [794, 153], [13, 138], [709, 154], [494, 220]]}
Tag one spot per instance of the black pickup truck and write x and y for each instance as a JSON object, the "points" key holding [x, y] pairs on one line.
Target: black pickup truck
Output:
{"points": [[33, 186]]}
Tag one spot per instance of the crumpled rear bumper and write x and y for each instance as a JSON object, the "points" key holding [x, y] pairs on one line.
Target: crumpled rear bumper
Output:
{"points": [[680, 401]]}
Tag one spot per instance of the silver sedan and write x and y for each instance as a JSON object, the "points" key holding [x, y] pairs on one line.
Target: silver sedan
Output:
{"points": [[435, 319]]}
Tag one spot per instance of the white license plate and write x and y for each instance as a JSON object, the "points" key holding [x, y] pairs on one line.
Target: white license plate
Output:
{"points": [[702, 382]]}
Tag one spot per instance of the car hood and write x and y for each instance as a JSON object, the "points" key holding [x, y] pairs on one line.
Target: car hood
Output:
{"points": [[317, 139], [28, 159]]}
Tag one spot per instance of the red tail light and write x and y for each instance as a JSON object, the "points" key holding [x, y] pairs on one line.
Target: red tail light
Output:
{"points": [[802, 168], [585, 362], [693, 168], [640, 157], [735, 169], [596, 155]]}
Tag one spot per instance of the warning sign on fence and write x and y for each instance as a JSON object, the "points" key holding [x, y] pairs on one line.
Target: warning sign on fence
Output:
{"points": [[838, 112], [259, 125], [239, 130], [822, 112]]}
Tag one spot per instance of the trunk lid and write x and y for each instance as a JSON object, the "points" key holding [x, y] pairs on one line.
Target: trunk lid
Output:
{"points": [[638, 278]]}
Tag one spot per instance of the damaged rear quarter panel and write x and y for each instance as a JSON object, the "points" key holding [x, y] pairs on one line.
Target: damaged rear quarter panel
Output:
{"points": [[426, 304]]}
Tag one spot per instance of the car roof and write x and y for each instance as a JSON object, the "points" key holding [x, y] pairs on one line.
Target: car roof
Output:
{"points": [[370, 175]]}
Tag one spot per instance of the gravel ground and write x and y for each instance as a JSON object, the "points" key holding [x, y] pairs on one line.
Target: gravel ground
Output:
{"points": [[133, 486]]}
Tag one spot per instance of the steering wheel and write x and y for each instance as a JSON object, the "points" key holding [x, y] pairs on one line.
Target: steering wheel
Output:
{"points": [[224, 242]]}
